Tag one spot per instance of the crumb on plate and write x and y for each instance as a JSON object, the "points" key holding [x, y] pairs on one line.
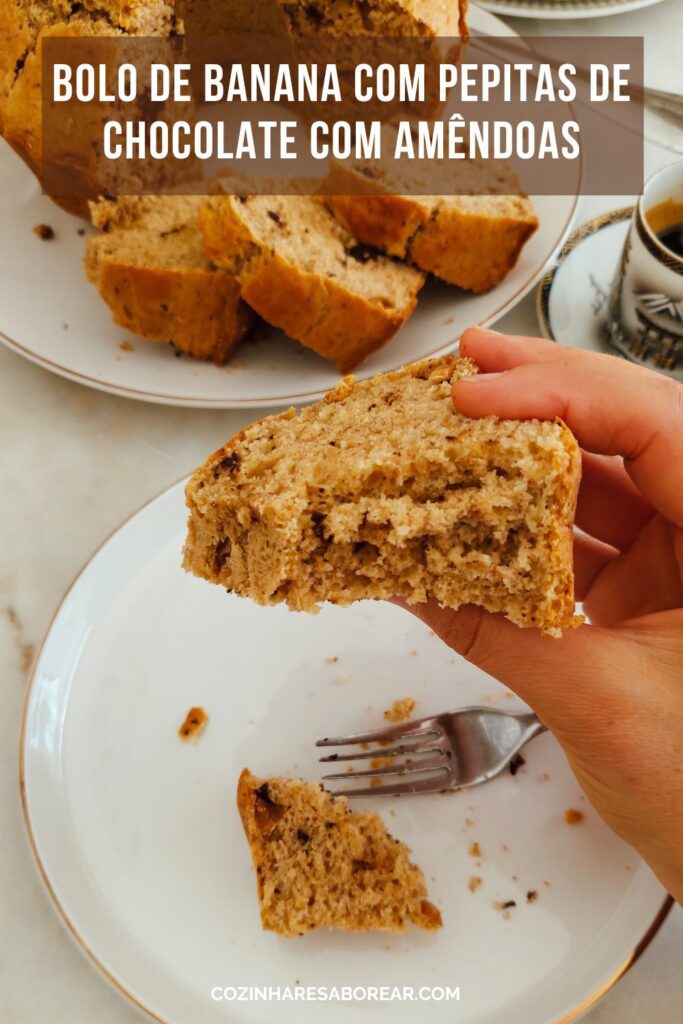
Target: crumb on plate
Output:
{"points": [[516, 763], [44, 232], [194, 724], [573, 817], [400, 710], [474, 883]]}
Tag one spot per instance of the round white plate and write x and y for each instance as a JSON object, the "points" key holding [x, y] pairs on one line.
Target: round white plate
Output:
{"points": [[571, 301], [563, 10], [138, 839], [53, 316]]}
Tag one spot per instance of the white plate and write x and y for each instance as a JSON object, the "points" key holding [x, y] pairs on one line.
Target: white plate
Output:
{"points": [[50, 314], [138, 839], [563, 10]]}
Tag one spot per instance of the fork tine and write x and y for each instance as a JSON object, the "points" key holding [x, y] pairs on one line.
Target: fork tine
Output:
{"points": [[398, 750], [421, 727], [403, 768], [431, 785]]}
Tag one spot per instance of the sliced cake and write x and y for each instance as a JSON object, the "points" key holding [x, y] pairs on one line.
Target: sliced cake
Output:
{"points": [[383, 489], [320, 865], [304, 272], [472, 239], [149, 265]]}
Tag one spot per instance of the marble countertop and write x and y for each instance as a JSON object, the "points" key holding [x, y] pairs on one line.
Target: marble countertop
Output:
{"points": [[73, 464]]}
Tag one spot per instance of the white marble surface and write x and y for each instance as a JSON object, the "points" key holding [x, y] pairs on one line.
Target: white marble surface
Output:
{"points": [[73, 464]]}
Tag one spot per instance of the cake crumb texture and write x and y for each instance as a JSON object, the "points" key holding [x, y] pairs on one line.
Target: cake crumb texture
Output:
{"points": [[382, 489], [320, 865]]}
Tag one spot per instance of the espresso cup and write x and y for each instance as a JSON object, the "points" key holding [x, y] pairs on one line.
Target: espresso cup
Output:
{"points": [[645, 309]]}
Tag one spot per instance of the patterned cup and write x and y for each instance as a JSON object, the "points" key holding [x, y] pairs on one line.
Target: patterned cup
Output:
{"points": [[645, 311]]}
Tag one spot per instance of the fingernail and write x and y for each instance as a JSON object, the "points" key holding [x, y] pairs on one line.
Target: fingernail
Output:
{"points": [[478, 378]]}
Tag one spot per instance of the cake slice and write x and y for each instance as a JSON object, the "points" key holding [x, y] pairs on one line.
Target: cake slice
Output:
{"points": [[383, 489], [305, 273], [149, 266], [472, 239], [320, 865]]}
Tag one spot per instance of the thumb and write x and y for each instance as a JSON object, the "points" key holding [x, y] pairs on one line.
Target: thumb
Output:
{"points": [[570, 683]]}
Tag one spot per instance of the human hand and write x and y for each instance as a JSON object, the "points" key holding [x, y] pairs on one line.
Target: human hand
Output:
{"points": [[612, 691]]}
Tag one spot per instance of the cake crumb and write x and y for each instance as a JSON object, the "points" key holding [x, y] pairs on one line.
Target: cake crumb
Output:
{"points": [[469, 823], [544, 777], [194, 724], [573, 817], [504, 905], [332, 660], [474, 883], [475, 850], [546, 883], [400, 710], [126, 346], [44, 232], [516, 763], [505, 848], [531, 896]]}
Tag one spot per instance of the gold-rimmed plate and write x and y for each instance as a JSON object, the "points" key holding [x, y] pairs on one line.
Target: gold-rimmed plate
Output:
{"points": [[563, 10], [137, 836], [51, 315]]}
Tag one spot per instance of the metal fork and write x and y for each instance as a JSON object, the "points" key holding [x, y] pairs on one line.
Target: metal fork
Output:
{"points": [[453, 750]]}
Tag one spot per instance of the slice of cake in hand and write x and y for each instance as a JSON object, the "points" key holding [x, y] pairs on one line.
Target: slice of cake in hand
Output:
{"points": [[383, 489], [471, 240], [305, 273], [149, 266], [320, 865]]}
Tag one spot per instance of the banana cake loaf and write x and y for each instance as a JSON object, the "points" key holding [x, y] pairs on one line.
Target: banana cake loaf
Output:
{"points": [[383, 489], [320, 865]]}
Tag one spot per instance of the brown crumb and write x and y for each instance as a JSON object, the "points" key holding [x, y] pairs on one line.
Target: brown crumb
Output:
{"points": [[81, 232], [194, 724], [531, 896], [400, 710], [544, 777], [504, 847], [474, 883], [516, 763], [475, 850], [44, 232], [546, 884], [506, 905], [469, 823], [126, 346], [573, 817], [333, 660]]}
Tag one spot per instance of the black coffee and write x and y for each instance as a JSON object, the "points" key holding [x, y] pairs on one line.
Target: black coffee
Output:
{"points": [[666, 220], [672, 238]]}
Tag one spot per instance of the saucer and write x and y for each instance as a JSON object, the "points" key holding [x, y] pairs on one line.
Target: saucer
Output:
{"points": [[572, 297]]}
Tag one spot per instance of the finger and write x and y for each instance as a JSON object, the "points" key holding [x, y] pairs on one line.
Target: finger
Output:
{"points": [[611, 406], [641, 581], [610, 507], [591, 557], [494, 352], [568, 682]]}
